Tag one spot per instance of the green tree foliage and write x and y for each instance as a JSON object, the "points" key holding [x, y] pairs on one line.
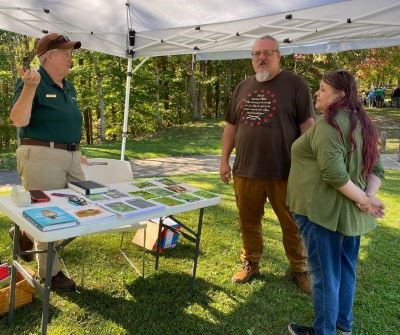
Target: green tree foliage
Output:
{"points": [[15, 51], [168, 90], [379, 67]]}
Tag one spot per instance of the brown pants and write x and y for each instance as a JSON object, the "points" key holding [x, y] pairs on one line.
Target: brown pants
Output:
{"points": [[251, 195], [42, 168]]}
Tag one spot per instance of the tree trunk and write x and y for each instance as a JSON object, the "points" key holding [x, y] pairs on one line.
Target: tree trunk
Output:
{"points": [[217, 94], [87, 119], [87, 113], [161, 64], [194, 97], [99, 80], [158, 112], [228, 84], [208, 90]]}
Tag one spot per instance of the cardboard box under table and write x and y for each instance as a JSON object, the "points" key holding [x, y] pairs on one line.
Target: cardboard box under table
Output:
{"points": [[169, 239]]}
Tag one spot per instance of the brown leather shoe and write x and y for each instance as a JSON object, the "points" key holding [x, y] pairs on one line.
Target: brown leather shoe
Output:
{"points": [[249, 270], [302, 280], [62, 282], [24, 242]]}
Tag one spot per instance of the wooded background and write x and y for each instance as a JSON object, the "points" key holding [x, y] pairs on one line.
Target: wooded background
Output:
{"points": [[172, 90]]}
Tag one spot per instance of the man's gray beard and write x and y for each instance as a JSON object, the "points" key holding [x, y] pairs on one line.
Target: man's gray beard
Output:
{"points": [[262, 76]]}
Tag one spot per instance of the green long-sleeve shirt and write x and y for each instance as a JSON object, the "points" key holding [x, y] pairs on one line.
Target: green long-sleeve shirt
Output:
{"points": [[322, 161]]}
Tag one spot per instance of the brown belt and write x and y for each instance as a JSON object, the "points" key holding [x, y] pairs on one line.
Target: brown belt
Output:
{"points": [[63, 146]]}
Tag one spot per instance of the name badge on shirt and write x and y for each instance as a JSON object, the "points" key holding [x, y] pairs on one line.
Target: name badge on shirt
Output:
{"points": [[48, 95]]}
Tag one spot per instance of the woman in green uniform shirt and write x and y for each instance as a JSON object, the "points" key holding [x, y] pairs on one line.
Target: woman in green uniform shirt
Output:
{"points": [[46, 111]]}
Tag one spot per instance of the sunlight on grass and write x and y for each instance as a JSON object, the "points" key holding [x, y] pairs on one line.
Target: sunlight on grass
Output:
{"points": [[5, 190], [379, 255], [201, 313], [115, 300], [392, 146]]}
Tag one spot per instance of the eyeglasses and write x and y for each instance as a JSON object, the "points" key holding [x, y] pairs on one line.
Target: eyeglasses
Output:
{"points": [[266, 53], [71, 198], [77, 201], [67, 53]]}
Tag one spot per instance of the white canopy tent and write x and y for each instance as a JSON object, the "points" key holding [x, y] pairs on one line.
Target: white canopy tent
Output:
{"points": [[207, 29]]}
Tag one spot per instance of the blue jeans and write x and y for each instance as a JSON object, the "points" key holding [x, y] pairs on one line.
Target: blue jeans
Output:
{"points": [[332, 259]]}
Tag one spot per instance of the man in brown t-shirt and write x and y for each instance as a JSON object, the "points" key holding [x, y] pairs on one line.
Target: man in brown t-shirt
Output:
{"points": [[268, 111]]}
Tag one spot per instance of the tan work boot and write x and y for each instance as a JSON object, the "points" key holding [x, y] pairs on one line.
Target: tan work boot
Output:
{"points": [[302, 280], [249, 270]]}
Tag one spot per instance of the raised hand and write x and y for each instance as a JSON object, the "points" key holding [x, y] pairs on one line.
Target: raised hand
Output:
{"points": [[30, 77]]}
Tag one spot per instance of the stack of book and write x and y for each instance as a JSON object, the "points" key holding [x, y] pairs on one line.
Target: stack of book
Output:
{"points": [[87, 187]]}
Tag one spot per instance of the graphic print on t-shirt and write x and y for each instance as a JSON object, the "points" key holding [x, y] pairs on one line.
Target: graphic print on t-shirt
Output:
{"points": [[258, 108]]}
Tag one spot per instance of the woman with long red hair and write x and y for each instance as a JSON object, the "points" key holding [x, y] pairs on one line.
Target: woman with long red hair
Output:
{"points": [[335, 173]]}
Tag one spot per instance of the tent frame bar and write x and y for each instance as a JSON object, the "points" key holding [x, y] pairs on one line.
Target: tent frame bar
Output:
{"points": [[129, 74]]}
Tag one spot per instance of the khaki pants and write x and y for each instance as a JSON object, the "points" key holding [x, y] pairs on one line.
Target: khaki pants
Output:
{"points": [[251, 195], [43, 168]]}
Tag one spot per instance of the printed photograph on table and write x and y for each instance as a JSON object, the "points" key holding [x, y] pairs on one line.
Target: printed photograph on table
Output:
{"points": [[145, 205], [121, 208], [125, 210], [166, 181], [205, 194], [187, 197], [176, 188], [143, 194], [169, 201], [109, 195], [140, 203], [116, 194], [143, 184], [160, 192], [97, 197]]}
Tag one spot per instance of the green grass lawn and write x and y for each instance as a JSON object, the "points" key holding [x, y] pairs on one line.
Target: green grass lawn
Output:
{"points": [[115, 300], [201, 138], [388, 120], [198, 138]]}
